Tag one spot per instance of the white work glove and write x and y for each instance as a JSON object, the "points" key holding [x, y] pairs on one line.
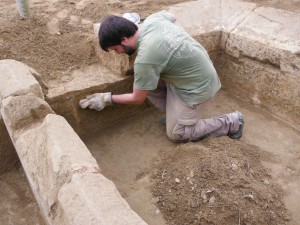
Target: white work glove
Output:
{"points": [[96, 101]]}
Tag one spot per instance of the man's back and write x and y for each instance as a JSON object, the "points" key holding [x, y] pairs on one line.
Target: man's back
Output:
{"points": [[166, 52]]}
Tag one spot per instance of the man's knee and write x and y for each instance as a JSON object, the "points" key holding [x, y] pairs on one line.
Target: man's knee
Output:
{"points": [[178, 134], [186, 130], [177, 139]]}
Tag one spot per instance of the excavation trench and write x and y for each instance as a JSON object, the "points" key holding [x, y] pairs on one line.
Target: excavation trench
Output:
{"points": [[136, 155], [118, 167], [144, 166]]}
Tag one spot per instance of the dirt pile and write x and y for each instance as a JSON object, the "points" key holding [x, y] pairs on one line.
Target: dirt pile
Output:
{"points": [[216, 181]]}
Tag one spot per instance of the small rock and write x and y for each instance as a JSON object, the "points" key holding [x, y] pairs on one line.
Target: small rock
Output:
{"points": [[212, 200], [210, 190], [272, 215], [203, 195], [249, 196], [277, 204], [177, 180], [155, 200], [270, 199], [157, 212], [265, 206], [191, 173], [266, 182], [231, 177], [234, 166]]}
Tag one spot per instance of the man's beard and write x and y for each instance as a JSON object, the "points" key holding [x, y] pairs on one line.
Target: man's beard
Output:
{"points": [[128, 50]]}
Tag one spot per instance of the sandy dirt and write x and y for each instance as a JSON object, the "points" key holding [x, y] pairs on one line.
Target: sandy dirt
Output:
{"points": [[209, 183], [58, 38], [17, 205], [215, 181]]}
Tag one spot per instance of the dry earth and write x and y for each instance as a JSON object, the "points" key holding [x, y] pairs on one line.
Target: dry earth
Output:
{"points": [[220, 180], [58, 38]]}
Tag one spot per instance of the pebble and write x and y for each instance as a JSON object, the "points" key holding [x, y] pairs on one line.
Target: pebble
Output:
{"points": [[265, 206], [278, 204], [249, 196], [157, 212], [231, 177], [234, 166], [210, 190], [203, 195], [273, 215], [266, 182], [177, 180], [212, 200], [191, 173], [155, 200]]}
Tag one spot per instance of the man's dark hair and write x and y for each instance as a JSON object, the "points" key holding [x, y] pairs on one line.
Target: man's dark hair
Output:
{"points": [[113, 29]]}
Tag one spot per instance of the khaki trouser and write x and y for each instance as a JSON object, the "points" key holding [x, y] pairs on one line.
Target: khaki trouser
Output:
{"points": [[184, 123]]}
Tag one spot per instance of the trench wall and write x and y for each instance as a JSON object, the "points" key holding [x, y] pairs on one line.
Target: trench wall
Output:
{"points": [[255, 50], [65, 178]]}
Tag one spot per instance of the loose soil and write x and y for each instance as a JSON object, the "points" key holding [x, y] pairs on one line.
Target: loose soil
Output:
{"points": [[17, 205], [213, 181], [58, 38], [219, 181]]}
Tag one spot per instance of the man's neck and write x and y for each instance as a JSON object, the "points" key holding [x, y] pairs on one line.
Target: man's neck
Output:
{"points": [[135, 37]]}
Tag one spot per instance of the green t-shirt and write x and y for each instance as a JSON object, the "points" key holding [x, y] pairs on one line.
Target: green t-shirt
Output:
{"points": [[167, 52]]}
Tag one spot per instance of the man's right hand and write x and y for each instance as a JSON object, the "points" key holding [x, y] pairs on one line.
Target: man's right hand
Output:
{"points": [[97, 101]]}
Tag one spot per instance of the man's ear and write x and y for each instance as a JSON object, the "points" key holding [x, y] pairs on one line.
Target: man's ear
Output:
{"points": [[125, 41]]}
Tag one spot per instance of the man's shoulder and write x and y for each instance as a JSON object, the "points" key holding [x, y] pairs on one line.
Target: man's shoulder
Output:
{"points": [[160, 16]]}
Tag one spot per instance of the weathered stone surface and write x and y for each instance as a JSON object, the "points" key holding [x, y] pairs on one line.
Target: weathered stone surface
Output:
{"points": [[263, 85], [8, 155], [268, 35], [198, 17], [93, 199], [239, 45], [233, 13], [50, 155], [16, 79], [22, 113], [87, 77]]}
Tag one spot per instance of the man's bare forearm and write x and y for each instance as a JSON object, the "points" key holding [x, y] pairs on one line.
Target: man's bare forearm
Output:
{"points": [[134, 98]]}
